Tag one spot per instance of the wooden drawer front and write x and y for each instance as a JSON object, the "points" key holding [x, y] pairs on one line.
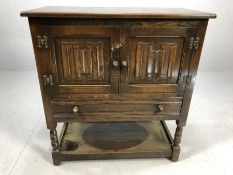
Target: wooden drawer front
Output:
{"points": [[117, 109]]}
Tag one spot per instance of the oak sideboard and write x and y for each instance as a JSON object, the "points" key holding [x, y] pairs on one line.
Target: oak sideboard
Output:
{"points": [[114, 76]]}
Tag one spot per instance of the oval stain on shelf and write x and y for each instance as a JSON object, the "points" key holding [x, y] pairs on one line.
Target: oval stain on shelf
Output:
{"points": [[115, 135]]}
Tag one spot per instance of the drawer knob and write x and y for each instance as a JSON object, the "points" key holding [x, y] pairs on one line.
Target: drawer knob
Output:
{"points": [[160, 107], [75, 109]]}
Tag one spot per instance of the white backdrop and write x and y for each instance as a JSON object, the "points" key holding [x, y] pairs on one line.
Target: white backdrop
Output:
{"points": [[16, 51]]}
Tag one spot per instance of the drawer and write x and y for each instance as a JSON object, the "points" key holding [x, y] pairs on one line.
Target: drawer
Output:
{"points": [[116, 110]]}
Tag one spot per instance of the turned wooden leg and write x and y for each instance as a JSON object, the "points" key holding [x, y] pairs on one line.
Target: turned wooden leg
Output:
{"points": [[55, 147], [177, 140]]}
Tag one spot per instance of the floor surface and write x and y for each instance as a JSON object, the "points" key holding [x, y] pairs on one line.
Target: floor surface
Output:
{"points": [[207, 142]]}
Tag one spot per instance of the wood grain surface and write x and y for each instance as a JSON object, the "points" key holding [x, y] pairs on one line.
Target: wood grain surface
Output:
{"points": [[116, 12]]}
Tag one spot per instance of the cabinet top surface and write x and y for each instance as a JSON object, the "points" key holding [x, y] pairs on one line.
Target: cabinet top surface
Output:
{"points": [[116, 12]]}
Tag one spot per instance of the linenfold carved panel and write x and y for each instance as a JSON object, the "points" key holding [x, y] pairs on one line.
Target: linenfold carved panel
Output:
{"points": [[81, 60], [88, 60], [157, 61]]}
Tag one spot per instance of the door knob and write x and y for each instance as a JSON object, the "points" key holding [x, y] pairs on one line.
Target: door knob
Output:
{"points": [[116, 47], [115, 64], [124, 63]]}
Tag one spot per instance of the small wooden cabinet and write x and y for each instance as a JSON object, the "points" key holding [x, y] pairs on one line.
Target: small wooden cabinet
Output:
{"points": [[114, 76]]}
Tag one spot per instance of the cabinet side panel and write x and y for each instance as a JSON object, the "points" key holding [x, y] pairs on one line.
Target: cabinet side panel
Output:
{"points": [[193, 72], [41, 70]]}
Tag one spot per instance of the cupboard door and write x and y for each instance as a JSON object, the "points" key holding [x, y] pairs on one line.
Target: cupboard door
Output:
{"points": [[83, 61], [157, 59]]}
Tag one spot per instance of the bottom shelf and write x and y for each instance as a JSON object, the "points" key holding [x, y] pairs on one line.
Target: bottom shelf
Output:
{"points": [[115, 140]]}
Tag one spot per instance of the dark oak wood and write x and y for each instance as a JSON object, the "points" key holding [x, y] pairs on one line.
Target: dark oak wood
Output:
{"points": [[201, 30], [117, 12], [115, 140], [113, 67]]}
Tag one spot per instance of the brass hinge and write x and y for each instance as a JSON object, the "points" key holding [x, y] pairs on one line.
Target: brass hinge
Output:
{"points": [[194, 43], [48, 80], [187, 79], [42, 41]]}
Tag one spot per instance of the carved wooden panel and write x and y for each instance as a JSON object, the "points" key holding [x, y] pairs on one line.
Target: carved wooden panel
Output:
{"points": [[156, 60], [87, 60], [82, 60]]}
